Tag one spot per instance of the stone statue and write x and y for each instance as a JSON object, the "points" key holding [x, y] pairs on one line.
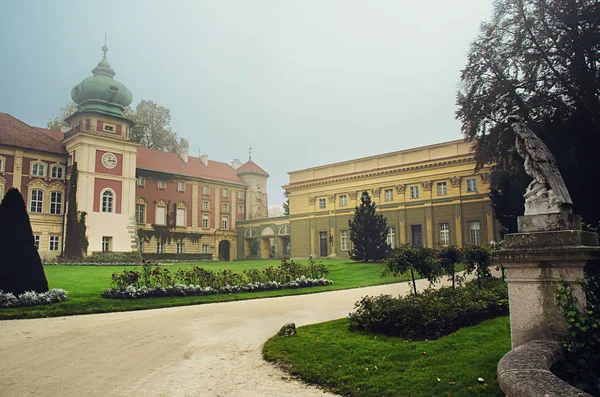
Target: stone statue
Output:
{"points": [[547, 193]]}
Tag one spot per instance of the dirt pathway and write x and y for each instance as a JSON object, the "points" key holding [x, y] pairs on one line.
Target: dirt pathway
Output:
{"points": [[203, 350]]}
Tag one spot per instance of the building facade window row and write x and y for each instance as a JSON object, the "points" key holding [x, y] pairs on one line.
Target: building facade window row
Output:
{"points": [[36, 202]]}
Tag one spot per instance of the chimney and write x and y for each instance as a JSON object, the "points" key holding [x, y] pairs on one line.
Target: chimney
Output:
{"points": [[183, 153], [204, 159], [236, 163]]}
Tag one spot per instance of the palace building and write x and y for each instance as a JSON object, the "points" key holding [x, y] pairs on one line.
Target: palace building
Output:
{"points": [[152, 201]]}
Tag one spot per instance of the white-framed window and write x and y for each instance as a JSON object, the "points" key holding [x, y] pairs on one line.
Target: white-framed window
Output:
{"points": [[475, 232], [225, 222], [140, 246], [2, 164], [225, 192], [180, 221], [240, 209], [225, 207], [109, 128], [240, 195], [471, 185], [56, 203], [345, 238], [38, 169], [37, 201], [205, 248], [36, 241], [442, 188], [107, 200], [180, 248], [206, 205], [57, 172], [160, 247], [414, 192], [141, 181], [161, 183], [206, 190], [444, 233], [180, 186], [205, 221], [343, 200], [391, 237], [389, 194], [106, 243], [140, 213], [322, 203], [54, 243], [161, 215]]}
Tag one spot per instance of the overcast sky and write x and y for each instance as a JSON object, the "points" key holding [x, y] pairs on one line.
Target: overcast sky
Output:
{"points": [[307, 82]]}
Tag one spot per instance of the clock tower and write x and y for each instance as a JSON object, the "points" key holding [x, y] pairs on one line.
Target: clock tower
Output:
{"points": [[98, 142]]}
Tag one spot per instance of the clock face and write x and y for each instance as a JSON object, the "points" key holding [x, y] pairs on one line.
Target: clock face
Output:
{"points": [[109, 160]]}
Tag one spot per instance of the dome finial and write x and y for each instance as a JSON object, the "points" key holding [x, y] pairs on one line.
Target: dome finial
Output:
{"points": [[104, 47]]}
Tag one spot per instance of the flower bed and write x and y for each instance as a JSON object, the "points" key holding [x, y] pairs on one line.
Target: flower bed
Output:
{"points": [[152, 280], [32, 298]]}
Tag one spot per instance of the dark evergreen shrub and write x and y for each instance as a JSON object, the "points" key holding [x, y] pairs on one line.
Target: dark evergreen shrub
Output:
{"points": [[21, 268]]}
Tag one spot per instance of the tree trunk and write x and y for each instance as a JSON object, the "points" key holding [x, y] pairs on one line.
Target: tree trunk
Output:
{"points": [[412, 273]]}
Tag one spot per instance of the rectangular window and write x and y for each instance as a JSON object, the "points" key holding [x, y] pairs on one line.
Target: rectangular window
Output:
{"points": [[37, 199], [442, 189], [322, 203], [417, 235], [391, 237], [205, 248], [444, 233], [181, 186], [205, 190], [180, 221], [36, 240], [240, 195], [475, 232], [205, 219], [343, 201], [240, 209], [180, 248], [225, 207], [54, 243], [225, 222], [109, 128], [162, 184], [160, 247], [345, 239], [160, 216], [140, 210], [206, 205], [106, 243], [389, 195], [471, 185], [225, 192], [414, 192], [56, 203], [141, 181]]}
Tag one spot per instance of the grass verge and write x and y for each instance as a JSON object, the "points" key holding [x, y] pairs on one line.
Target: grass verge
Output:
{"points": [[359, 363], [85, 284]]}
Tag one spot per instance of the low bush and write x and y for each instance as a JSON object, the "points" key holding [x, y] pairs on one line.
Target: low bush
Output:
{"points": [[155, 279], [32, 298], [432, 313], [172, 257], [101, 258]]}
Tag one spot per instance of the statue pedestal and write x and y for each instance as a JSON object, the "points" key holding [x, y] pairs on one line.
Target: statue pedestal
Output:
{"points": [[534, 261]]}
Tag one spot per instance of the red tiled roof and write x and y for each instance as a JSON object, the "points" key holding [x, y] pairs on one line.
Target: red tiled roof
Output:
{"points": [[251, 168], [172, 163], [56, 135], [14, 132]]}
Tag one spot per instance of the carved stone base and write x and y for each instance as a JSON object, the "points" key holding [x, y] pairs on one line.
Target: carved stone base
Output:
{"points": [[548, 222]]}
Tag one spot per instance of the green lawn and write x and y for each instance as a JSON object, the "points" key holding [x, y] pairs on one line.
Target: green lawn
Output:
{"points": [[358, 363], [85, 284]]}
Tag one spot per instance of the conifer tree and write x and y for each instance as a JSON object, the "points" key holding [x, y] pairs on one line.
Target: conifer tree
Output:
{"points": [[75, 239], [368, 232], [21, 268]]}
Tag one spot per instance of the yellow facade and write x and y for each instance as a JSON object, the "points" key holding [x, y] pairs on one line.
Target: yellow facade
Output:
{"points": [[429, 195]]}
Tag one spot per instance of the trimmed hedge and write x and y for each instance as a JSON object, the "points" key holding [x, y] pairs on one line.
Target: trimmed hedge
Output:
{"points": [[177, 257], [432, 313]]}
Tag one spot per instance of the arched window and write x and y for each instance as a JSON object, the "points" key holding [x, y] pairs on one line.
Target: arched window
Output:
{"points": [[57, 172], [250, 233], [284, 229], [37, 200], [108, 198], [2, 164], [38, 169]]}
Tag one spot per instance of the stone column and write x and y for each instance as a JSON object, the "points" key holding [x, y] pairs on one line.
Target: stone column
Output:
{"points": [[547, 248]]}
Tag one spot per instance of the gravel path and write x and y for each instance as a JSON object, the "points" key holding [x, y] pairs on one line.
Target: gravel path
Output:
{"points": [[203, 350]]}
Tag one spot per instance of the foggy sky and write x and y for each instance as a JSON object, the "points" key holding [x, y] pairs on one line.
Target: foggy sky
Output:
{"points": [[307, 82]]}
